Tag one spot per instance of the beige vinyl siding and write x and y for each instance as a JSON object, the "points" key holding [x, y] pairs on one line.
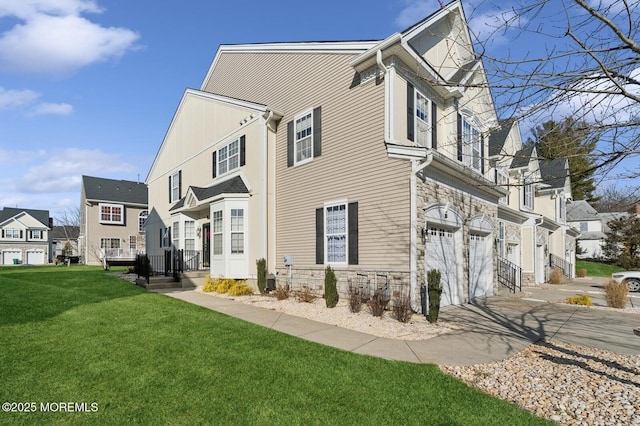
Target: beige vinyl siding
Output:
{"points": [[353, 166]]}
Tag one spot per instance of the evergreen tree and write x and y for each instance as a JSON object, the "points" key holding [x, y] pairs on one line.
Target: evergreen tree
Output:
{"points": [[623, 241], [572, 140]]}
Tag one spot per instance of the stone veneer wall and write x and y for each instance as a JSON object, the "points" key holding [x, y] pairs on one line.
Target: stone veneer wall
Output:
{"points": [[430, 193]]}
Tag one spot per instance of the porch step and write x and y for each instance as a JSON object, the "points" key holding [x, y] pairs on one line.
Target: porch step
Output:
{"points": [[158, 283], [193, 279]]}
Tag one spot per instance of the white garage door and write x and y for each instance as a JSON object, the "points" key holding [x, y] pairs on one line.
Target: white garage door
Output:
{"points": [[480, 267], [35, 257], [9, 255], [440, 254]]}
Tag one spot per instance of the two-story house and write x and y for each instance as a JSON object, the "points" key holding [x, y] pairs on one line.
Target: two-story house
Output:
{"points": [[112, 218], [25, 236], [533, 233], [368, 156]]}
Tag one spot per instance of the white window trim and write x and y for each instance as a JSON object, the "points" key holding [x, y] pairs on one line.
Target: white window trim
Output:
{"points": [[428, 115], [468, 143], [142, 218], [528, 184], [328, 205], [214, 231], [240, 231], [308, 112], [226, 160], [12, 232], [111, 222], [175, 187]]}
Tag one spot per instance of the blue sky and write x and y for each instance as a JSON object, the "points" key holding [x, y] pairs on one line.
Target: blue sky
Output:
{"points": [[89, 87]]}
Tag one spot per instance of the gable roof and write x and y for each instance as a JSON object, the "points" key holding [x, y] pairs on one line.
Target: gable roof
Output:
{"points": [[522, 158], [579, 210], [498, 138], [110, 190], [234, 185], [554, 173], [41, 216], [65, 232]]}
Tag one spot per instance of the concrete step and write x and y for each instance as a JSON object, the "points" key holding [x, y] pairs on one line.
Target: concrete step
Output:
{"points": [[157, 283], [193, 279]]}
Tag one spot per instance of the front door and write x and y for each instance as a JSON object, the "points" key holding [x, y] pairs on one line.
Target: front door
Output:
{"points": [[206, 244]]}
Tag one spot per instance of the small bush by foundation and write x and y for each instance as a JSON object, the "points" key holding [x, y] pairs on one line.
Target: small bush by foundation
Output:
{"points": [[556, 277], [330, 287], [306, 295], [355, 298], [582, 273], [616, 294], [240, 288], [583, 299], [378, 303], [227, 285], [402, 308], [282, 292]]}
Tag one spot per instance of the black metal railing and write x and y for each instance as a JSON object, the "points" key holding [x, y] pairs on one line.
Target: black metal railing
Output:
{"points": [[509, 275], [557, 262], [170, 263]]}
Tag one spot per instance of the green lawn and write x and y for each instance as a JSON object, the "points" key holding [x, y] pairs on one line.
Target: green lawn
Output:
{"points": [[597, 269], [81, 335]]}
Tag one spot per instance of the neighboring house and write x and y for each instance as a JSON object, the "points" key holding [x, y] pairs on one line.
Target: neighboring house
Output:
{"points": [[64, 235], [25, 236], [112, 217], [583, 217], [533, 232], [369, 157]]}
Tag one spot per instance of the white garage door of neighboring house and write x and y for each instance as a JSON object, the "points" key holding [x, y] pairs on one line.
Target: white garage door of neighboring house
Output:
{"points": [[440, 254], [480, 267], [35, 257], [9, 255]]}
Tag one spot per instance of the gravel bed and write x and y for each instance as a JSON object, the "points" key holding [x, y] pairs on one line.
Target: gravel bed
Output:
{"points": [[571, 385]]}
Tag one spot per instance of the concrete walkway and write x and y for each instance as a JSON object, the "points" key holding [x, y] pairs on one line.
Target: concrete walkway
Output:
{"points": [[492, 329]]}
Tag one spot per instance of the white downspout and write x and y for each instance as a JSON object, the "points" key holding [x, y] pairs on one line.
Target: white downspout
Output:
{"points": [[416, 167], [264, 219]]}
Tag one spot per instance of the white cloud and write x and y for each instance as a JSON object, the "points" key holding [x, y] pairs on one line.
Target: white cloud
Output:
{"points": [[52, 109], [492, 27], [16, 98], [414, 11], [53, 38], [62, 171]]}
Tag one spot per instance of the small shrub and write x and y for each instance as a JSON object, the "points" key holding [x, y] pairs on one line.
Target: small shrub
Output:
{"points": [[616, 294], [224, 284], [240, 288], [556, 277], [210, 285], [306, 295], [355, 298], [582, 273], [583, 299], [330, 288], [402, 308], [378, 303], [434, 289], [261, 265], [282, 292]]}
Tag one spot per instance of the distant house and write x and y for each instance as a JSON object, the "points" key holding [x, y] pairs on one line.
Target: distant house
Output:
{"points": [[25, 236], [63, 234], [593, 227], [112, 217]]}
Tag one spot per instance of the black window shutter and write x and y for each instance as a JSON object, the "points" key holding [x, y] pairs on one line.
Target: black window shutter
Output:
{"points": [[410, 111], [320, 236], [21, 234], [215, 163], [459, 137], [482, 154], [290, 144], [434, 125], [160, 237], [179, 184], [170, 200], [353, 233], [169, 237], [3, 233], [317, 132], [243, 149]]}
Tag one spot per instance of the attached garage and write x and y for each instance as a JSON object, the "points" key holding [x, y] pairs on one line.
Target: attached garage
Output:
{"points": [[480, 258], [9, 255], [35, 257], [443, 251]]}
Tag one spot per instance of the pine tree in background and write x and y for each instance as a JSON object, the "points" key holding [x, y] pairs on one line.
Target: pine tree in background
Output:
{"points": [[576, 142]]}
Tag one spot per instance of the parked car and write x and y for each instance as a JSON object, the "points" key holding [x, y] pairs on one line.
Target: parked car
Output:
{"points": [[631, 278]]}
